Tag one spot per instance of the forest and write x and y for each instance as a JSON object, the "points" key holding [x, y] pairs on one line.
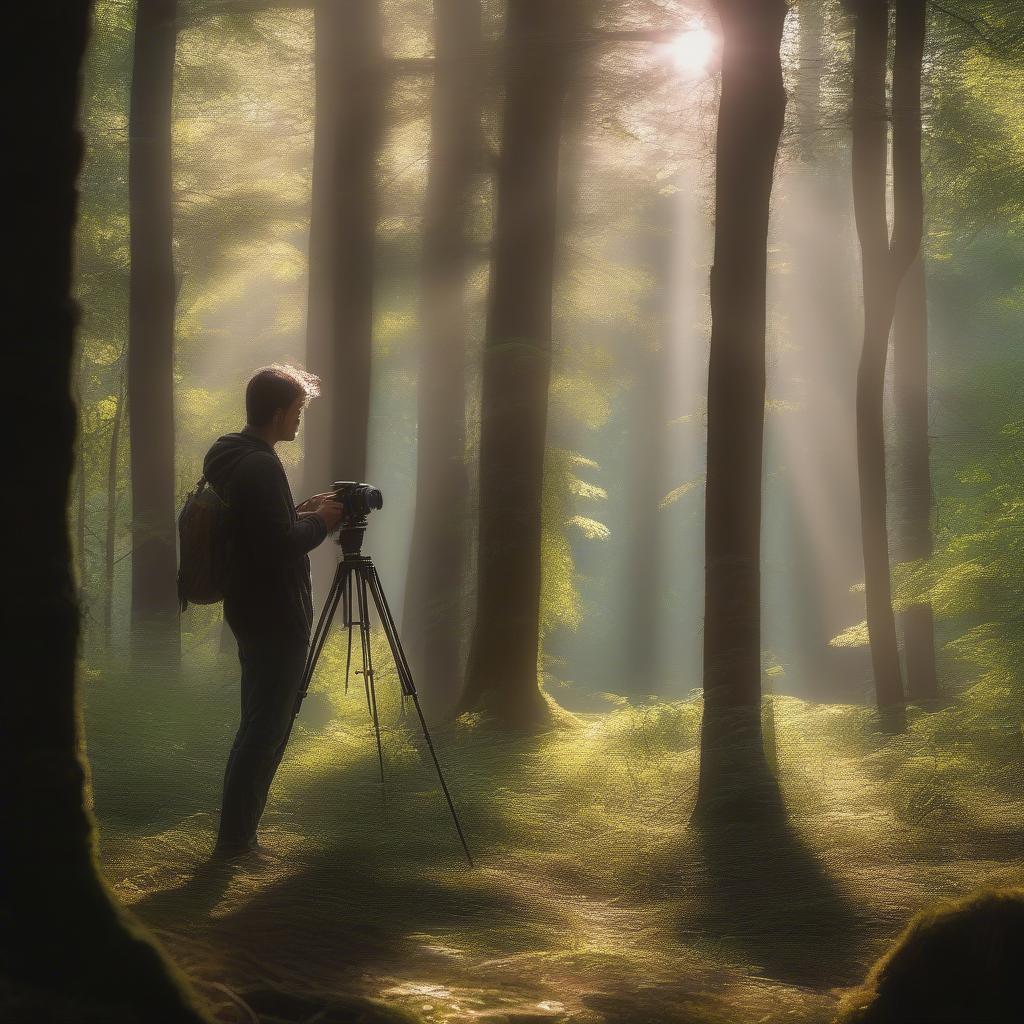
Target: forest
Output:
{"points": [[680, 340]]}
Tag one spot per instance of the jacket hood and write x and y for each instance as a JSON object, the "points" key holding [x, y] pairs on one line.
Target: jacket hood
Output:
{"points": [[226, 453]]}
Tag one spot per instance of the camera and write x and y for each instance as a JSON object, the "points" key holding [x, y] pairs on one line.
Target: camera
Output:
{"points": [[358, 499]]}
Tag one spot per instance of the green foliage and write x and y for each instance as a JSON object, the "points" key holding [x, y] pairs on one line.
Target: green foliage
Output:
{"points": [[974, 140], [560, 598], [974, 580]]}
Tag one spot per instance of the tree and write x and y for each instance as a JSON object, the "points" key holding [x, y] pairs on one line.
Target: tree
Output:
{"points": [[910, 378], [502, 672], [68, 951], [750, 118], [885, 261], [432, 616], [349, 118], [151, 329]]}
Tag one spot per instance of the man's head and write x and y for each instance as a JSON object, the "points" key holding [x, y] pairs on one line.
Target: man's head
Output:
{"points": [[274, 399]]}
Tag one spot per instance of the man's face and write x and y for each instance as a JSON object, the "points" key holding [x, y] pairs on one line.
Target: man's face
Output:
{"points": [[290, 418]]}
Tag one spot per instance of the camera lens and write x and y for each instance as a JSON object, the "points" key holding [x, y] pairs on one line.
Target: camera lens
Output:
{"points": [[359, 500], [372, 498]]}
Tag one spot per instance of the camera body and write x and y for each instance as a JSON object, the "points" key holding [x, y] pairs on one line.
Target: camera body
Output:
{"points": [[358, 499]]}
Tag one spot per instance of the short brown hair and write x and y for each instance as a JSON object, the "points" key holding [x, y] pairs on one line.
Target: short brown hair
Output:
{"points": [[276, 387]]}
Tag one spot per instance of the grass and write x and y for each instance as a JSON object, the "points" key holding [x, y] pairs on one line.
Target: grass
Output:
{"points": [[592, 899]]}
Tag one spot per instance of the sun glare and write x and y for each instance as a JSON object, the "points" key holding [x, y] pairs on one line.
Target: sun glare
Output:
{"points": [[692, 51]]}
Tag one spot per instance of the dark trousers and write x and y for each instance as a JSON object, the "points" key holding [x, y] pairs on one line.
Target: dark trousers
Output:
{"points": [[271, 679]]}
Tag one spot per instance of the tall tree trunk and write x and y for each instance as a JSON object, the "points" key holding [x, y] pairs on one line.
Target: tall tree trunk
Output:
{"points": [[64, 941], [911, 383], [884, 264], [750, 117], [433, 609], [111, 534], [350, 95], [502, 672], [151, 331]]}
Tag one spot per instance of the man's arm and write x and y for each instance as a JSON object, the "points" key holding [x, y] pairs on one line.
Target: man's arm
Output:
{"points": [[265, 515], [313, 503]]}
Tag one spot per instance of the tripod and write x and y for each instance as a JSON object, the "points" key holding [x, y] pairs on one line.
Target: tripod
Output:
{"points": [[359, 568]]}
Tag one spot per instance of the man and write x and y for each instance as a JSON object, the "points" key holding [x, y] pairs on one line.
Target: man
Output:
{"points": [[268, 596]]}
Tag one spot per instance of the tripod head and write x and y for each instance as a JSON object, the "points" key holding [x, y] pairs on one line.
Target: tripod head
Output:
{"points": [[350, 536]]}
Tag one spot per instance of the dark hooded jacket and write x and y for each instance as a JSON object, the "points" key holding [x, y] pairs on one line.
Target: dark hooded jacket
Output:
{"points": [[268, 590]]}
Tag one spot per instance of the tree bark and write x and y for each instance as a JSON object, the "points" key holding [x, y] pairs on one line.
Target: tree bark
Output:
{"points": [[155, 615], [434, 608], [64, 941], [502, 672], [350, 97], [885, 263], [750, 117], [911, 384]]}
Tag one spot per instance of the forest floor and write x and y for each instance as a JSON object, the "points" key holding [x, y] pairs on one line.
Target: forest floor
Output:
{"points": [[592, 899]]}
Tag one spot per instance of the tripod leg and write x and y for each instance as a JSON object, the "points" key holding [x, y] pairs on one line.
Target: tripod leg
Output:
{"points": [[408, 687], [347, 610], [320, 634], [391, 630], [371, 689], [364, 635]]}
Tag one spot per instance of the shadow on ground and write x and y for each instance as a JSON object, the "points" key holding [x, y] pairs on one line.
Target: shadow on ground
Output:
{"points": [[748, 888], [762, 892], [360, 892]]}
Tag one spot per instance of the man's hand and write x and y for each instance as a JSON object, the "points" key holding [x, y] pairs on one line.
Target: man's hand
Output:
{"points": [[312, 504], [329, 511]]}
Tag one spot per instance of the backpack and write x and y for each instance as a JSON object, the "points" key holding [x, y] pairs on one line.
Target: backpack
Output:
{"points": [[203, 532]]}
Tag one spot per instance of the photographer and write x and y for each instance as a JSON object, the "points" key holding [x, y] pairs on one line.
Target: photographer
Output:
{"points": [[268, 594]]}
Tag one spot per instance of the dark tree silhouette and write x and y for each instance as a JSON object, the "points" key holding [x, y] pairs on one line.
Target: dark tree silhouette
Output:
{"points": [[502, 671], [885, 262], [66, 950], [750, 117], [433, 609], [151, 330], [350, 95], [910, 353]]}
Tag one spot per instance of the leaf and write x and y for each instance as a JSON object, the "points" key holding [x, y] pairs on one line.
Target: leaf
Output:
{"points": [[854, 636], [590, 528], [674, 496]]}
